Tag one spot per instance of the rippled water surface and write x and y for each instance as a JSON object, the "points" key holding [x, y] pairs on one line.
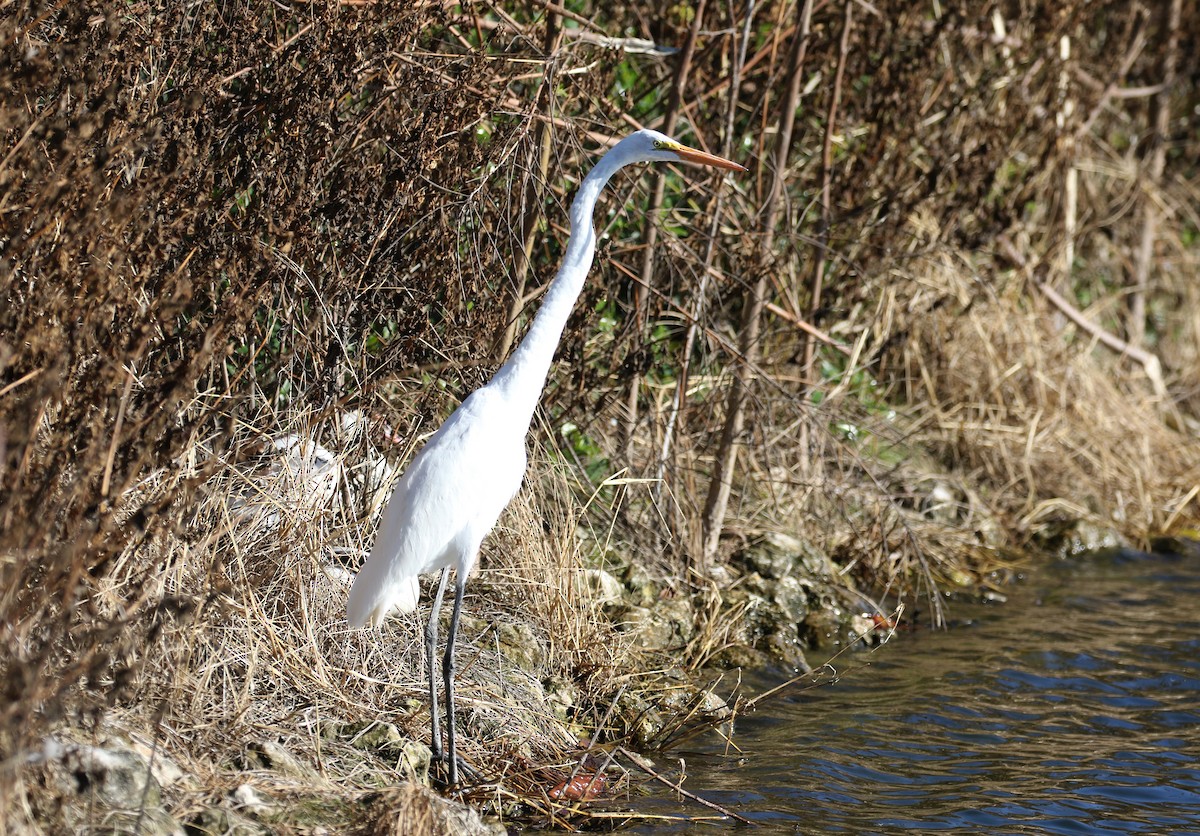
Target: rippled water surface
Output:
{"points": [[1073, 708]]}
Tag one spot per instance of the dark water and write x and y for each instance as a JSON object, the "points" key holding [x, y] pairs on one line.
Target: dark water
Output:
{"points": [[1074, 708]]}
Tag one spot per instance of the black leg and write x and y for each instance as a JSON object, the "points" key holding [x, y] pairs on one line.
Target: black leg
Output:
{"points": [[460, 587], [435, 731]]}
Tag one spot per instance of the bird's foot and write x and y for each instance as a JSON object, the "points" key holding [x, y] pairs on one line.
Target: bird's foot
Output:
{"points": [[466, 774]]}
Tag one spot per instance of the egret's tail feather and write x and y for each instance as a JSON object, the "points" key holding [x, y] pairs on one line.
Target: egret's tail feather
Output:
{"points": [[372, 597]]}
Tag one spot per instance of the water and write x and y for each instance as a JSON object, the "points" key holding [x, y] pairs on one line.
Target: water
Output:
{"points": [[1074, 708]]}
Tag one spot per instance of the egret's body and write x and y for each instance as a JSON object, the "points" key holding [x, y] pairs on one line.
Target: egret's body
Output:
{"points": [[455, 489]]}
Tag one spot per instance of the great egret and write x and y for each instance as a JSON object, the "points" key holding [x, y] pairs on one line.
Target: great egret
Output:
{"points": [[452, 493]]}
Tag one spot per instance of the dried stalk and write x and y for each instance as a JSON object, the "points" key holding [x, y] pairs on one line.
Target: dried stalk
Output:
{"points": [[1148, 360], [1114, 90], [670, 116], [533, 191], [818, 277], [1063, 120], [1171, 13], [644, 765], [722, 478], [689, 343]]}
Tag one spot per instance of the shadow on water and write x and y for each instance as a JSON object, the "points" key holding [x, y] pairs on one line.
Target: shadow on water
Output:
{"points": [[1073, 708]]}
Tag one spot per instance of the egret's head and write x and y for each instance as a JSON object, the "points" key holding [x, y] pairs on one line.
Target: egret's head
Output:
{"points": [[652, 145]]}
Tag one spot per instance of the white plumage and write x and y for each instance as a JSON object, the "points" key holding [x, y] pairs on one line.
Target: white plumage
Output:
{"points": [[446, 502], [455, 489]]}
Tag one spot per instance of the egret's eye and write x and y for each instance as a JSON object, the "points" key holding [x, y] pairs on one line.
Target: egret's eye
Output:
{"points": [[658, 143]]}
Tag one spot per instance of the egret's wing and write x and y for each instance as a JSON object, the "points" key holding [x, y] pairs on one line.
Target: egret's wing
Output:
{"points": [[448, 499]]}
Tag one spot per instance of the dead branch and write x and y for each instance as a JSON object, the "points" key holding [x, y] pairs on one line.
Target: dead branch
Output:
{"points": [[643, 765], [1171, 11], [722, 478], [1148, 361], [671, 114]]}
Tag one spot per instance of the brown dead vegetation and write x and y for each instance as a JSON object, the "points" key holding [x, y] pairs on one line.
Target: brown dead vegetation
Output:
{"points": [[221, 223]]}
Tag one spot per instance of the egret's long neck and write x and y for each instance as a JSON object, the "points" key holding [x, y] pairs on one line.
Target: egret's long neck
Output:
{"points": [[524, 373]]}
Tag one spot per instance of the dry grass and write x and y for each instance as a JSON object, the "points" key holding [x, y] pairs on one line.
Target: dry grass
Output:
{"points": [[226, 224], [283, 650], [1018, 397]]}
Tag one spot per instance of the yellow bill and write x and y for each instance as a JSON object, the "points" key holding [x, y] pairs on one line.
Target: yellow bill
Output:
{"points": [[691, 155]]}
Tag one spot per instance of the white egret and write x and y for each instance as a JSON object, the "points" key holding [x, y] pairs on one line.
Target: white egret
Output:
{"points": [[454, 490]]}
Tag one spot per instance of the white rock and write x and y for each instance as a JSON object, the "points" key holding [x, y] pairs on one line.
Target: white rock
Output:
{"points": [[250, 800]]}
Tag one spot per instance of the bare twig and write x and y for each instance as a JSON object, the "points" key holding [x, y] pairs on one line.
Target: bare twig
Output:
{"points": [[735, 409], [1063, 120], [1113, 89], [739, 61], [533, 191], [1148, 360], [671, 114], [818, 276], [116, 433], [596, 739], [631, 46], [808, 328], [641, 764], [1171, 11]]}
